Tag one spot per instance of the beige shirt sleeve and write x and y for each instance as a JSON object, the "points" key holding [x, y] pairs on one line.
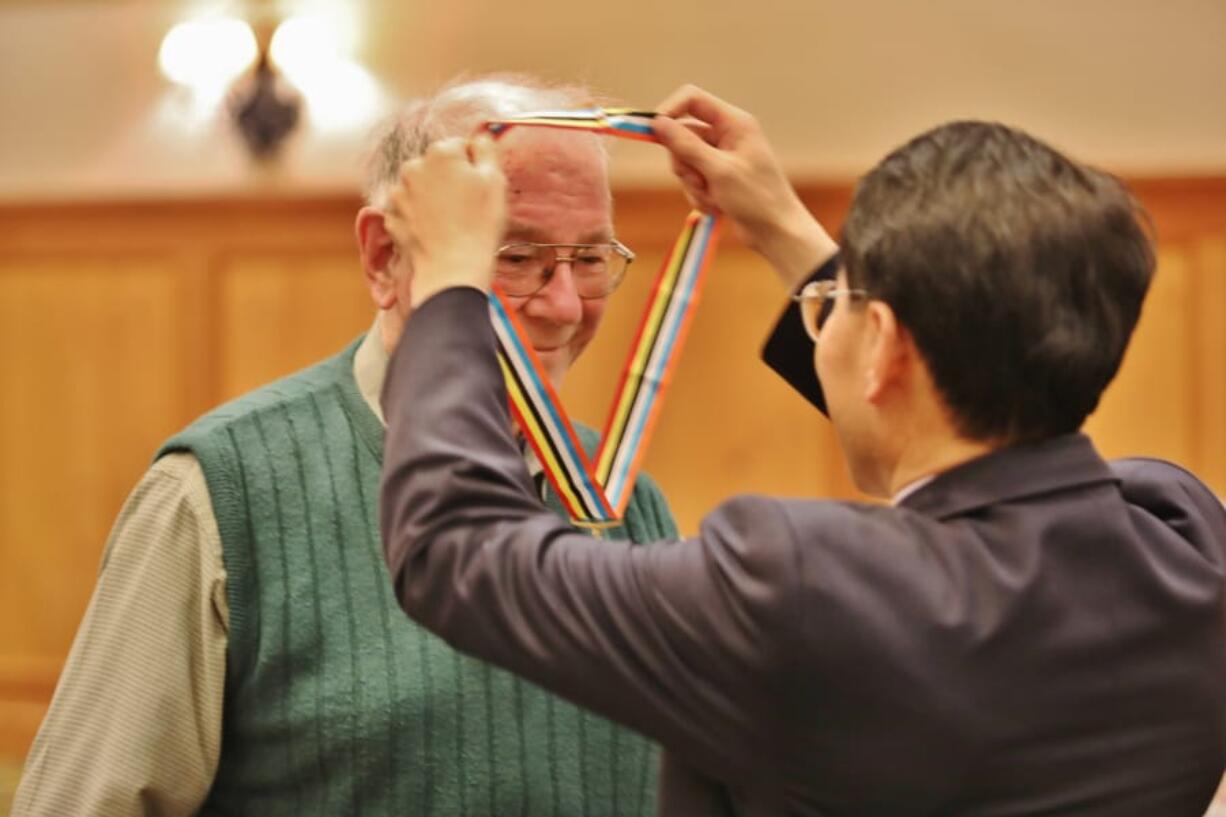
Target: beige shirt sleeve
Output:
{"points": [[134, 727]]}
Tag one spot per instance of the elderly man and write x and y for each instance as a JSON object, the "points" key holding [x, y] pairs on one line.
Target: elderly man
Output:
{"points": [[1030, 630], [244, 653]]}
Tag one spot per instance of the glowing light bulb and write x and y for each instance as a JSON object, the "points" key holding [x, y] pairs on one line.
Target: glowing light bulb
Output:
{"points": [[303, 46], [207, 54], [339, 93]]}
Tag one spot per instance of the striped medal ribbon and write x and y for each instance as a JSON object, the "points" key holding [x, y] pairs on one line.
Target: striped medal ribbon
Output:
{"points": [[595, 493]]}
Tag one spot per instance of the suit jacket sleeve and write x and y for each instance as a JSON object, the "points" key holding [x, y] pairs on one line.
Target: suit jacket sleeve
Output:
{"points": [[789, 351], [686, 643]]}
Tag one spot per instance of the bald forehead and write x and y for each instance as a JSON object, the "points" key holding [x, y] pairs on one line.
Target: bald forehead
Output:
{"points": [[557, 187], [569, 159]]}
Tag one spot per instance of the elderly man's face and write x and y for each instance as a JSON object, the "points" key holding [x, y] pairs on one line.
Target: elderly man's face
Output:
{"points": [[557, 193]]}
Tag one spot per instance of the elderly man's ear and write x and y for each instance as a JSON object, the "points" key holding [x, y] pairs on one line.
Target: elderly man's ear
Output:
{"points": [[380, 257]]}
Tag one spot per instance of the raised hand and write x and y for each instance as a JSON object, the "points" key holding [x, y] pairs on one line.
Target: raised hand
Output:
{"points": [[448, 214], [726, 165]]}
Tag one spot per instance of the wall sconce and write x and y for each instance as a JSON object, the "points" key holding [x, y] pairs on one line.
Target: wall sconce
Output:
{"points": [[223, 60], [264, 107], [267, 78]]}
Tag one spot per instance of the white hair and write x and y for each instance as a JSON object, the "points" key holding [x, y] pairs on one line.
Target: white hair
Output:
{"points": [[457, 109]]}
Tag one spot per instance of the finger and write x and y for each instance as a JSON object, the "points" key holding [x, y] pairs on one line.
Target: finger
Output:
{"points": [[694, 185], [400, 203], [394, 204], [678, 102], [685, 145], [700, 201], [688, 175], [410, 168], [690, 100], [451, 148], [482, 152], [701, 129], [692, 181]]}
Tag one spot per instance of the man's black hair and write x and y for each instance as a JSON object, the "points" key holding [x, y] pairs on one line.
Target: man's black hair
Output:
{"points": [[1018, 272]]}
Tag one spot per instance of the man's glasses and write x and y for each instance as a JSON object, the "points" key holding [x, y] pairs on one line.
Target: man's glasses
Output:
{"points": [[816, 302], [524, 268]]}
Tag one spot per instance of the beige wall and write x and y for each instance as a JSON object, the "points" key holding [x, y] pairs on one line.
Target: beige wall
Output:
{"points": [[1135, 85]]}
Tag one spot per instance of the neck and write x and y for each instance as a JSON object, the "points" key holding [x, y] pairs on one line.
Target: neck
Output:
{"points": [[925, 435], [928, 457], [390, 328]]}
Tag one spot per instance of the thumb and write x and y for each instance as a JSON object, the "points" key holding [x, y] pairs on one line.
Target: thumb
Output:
{"points": [[482, 153]]}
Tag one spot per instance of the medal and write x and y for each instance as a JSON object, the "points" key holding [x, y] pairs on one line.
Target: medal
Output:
{"points": [[595, 492]]}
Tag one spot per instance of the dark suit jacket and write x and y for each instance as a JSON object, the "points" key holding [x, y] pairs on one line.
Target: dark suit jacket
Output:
{"points": [[1036, 632]]}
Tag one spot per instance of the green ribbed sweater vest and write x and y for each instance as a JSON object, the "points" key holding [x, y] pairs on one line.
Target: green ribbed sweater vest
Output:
{"points": [[336, 702]]}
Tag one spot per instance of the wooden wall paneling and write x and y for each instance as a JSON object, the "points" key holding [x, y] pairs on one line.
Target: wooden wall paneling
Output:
{"points": [[198, 330], [26, 684], [1207, 321], [1149, 407], [1182, 209], [194, 227], [282, 310], [93, 381]]}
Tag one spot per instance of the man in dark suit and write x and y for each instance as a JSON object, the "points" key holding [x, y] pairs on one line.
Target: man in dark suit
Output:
{"points": [[1026, 630]]}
